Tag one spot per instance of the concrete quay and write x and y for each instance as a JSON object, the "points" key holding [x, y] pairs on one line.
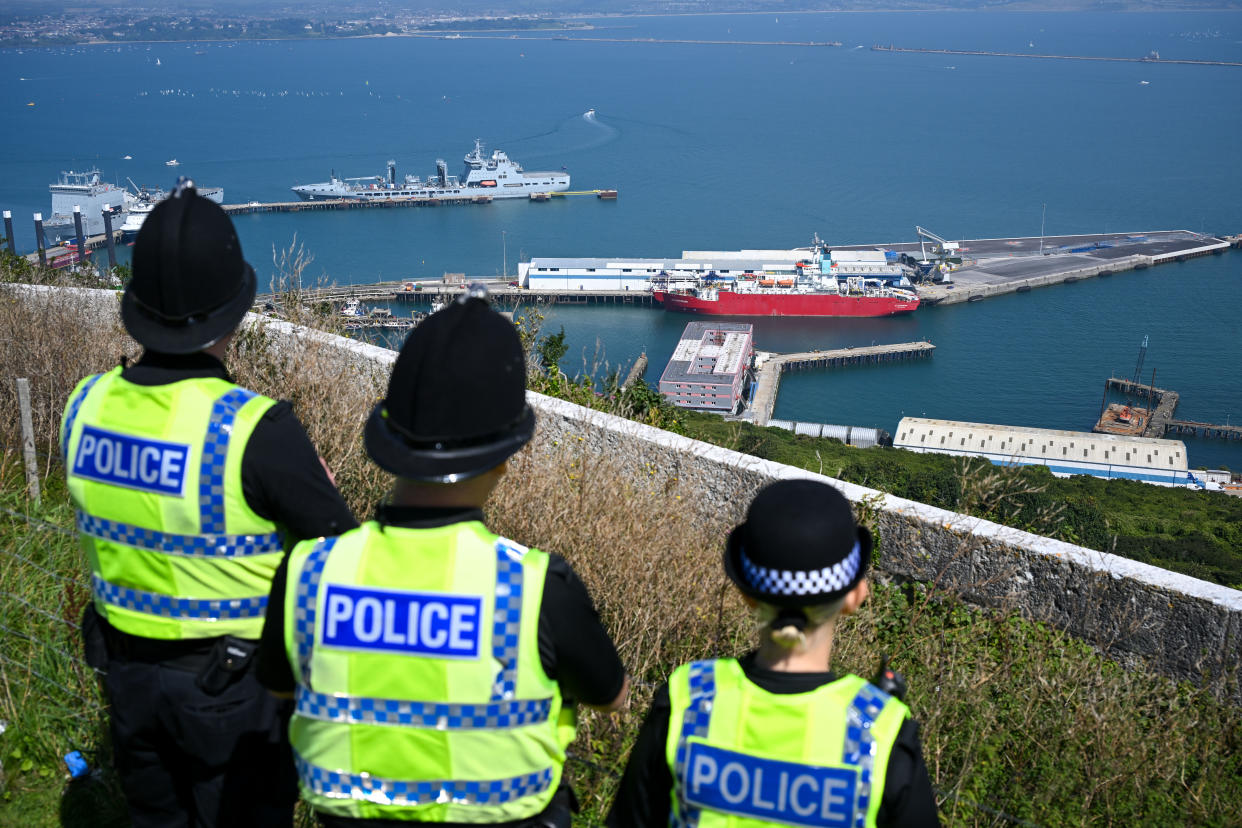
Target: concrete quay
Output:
{"points": [[994, 267], [770, 367]]}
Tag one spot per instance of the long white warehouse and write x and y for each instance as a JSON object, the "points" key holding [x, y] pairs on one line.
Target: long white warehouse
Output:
{"points": [[711, 265], [1065, 453]]}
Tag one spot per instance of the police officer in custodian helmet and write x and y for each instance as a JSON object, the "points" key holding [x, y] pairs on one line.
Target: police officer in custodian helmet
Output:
{"points": [[436, 665], [187, 486], [775, 737]]}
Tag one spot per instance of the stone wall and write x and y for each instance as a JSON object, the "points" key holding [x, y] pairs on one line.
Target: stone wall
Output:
{"points": [[1139, 614]]}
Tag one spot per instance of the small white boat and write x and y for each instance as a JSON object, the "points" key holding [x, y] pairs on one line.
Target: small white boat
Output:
{"points": [[590, 113], [172, 162], [128, 158]]}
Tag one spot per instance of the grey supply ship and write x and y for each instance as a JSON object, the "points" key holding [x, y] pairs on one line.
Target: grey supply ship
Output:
{"points": [[85, 190], [494, 176]]}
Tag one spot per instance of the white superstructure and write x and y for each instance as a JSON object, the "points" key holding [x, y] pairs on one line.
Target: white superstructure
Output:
{"points": [[1065, 453]]}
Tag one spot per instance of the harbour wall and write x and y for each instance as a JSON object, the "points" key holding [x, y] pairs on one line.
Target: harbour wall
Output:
{"points": [[1138, 614]]}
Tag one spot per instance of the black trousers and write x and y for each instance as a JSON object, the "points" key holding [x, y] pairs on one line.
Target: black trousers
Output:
{"points": [[193, 760]]}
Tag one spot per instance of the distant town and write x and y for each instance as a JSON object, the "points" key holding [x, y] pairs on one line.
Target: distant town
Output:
{"points": [[49, 24]]}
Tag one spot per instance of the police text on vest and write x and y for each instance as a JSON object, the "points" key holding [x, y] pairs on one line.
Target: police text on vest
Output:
{"points": [[769, 789], [415, 623], [133, 462]]}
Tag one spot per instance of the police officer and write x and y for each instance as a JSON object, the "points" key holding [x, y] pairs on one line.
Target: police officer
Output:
{"points": [[186, 487], [436, 665], [775, 737]]}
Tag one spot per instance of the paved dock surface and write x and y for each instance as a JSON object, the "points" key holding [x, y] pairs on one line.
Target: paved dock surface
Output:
{"points": [[771, 366], [992, 267]]}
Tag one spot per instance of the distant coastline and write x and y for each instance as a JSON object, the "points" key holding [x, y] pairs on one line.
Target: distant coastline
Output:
{"points": [[182, 27]]}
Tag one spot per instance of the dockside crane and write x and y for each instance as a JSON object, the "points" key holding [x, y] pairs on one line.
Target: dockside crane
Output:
{"points": [[945, 247], [1138, 366]]}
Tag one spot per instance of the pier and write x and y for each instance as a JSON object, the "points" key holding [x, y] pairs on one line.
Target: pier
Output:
{"points": [[771, 366], [1161, 422], [980, 53], [501, 292], [995, 267], [646, 40]]}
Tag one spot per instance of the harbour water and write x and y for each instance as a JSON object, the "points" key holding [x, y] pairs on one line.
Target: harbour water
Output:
{"points": [[722, 147]]}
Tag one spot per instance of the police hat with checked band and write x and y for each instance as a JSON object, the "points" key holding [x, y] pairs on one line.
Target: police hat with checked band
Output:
{"points": [[190, 287], [798, 547], [456, 404]]}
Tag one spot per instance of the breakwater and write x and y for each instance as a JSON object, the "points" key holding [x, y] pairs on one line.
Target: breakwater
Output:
{"points": [[985, 53]]}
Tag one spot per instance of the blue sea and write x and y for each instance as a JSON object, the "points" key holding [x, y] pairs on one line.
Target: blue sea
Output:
{"points": [[724, 147]]}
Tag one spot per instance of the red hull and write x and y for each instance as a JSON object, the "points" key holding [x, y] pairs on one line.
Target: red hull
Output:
{"points": [[730, 303]]}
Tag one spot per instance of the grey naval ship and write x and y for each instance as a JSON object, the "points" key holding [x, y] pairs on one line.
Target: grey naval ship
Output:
{"points": [[495, 176], [87, 191]]}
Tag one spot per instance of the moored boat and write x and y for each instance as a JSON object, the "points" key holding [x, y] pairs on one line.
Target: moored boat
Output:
{"points": [[803, 300], [485, 177]]}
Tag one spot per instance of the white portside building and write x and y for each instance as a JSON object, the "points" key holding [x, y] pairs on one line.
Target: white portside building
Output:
{"points": [[699, 266], [1065, 453], [708, 368]]}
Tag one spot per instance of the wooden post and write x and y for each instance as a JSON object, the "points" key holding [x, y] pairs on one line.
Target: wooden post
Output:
{"points": [[28, 441]]}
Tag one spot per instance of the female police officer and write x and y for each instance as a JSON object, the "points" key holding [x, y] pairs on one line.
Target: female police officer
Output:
{"points": [[775, 737], [435, 664]]}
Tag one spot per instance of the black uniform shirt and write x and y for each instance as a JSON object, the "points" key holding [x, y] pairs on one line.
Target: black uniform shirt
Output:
{"points": [[574, 648], [645, 794], [282, 478]]}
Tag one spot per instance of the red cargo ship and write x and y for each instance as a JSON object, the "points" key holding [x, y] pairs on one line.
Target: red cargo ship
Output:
{"points": [[855, 299]]}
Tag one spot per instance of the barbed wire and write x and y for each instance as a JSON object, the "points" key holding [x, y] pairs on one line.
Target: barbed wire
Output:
{"points": [[19, 599], [60, 651], [46, 679], [51, 573], [34, 521]]}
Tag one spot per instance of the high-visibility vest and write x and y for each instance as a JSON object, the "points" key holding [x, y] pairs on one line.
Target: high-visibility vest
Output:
{"points": [[155, 474], [420, 692], [741, 755]]}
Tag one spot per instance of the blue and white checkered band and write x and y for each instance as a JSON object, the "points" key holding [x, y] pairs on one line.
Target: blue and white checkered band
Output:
{"points": [[184, 546], [803, 582], [432, 715], [215, 452], [507, 617], [336, 784], [72, 415], [694, 723], [306, 599], [167, 606], [860, 747]]}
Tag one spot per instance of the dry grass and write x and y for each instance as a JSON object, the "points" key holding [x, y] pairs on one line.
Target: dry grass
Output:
{"points": [[1017, 717]]}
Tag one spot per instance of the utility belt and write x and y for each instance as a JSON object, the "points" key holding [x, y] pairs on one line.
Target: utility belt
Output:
{"points": [[217, 662]]}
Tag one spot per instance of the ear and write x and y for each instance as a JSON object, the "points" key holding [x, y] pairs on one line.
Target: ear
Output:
{"points": [[855, 597]]}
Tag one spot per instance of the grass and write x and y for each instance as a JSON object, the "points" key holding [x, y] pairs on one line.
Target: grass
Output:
{"points": [[1018, 718], [1196, 533]]}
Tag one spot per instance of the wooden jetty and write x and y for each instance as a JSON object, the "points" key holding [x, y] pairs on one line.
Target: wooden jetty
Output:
{"points": [[1161, 422], [773, 365]]}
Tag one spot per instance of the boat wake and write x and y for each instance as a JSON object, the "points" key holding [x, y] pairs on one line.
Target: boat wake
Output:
{"points": [[569, 136]]}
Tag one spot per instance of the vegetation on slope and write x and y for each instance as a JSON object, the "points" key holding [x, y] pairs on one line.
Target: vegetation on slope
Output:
{"points": [[1018, 718]]}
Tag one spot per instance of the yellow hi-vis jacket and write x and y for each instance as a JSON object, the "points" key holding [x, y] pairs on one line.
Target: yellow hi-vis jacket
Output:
{"points": [[741, 756], [155, 474], [420, 693]]}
